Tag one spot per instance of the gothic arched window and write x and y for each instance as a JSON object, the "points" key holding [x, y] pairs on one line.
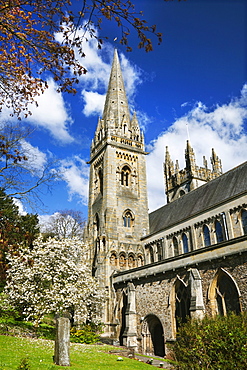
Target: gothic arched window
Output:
{"points": [[219, 232], [225, 293], [182, 304], [125, 176], [175, 246], [127, 219], [206, 235], [244, 221], [185, 243]]}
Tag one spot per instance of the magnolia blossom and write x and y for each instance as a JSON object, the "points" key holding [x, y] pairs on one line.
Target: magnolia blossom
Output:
{"points": [[54, 277]]}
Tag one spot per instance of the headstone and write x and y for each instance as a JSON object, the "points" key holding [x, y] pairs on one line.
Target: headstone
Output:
{"points": [[62, 341]]}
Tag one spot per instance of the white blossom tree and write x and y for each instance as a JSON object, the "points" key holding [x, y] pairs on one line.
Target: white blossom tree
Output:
{"points": [[53, 277]]}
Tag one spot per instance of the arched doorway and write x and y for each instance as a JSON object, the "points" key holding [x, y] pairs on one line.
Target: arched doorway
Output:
{"points": [[153, 336]]}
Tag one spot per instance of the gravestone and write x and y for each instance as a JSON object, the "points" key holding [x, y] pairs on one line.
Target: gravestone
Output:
{"points": [[62, 341]]}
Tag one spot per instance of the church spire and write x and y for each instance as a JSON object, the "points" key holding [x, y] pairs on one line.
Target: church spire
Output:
{"points": [[189, 157], [116, 109]]}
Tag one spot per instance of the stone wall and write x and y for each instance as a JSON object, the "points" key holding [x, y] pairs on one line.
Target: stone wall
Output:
{"points": [[155, 289]]}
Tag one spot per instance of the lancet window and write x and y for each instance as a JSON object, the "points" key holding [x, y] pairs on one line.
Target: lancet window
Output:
{"points": [[185, 243], [219, 231], [128, 219], [206, 235]]}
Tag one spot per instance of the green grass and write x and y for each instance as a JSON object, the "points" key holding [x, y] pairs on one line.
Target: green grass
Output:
{"points": [[40, 352]]}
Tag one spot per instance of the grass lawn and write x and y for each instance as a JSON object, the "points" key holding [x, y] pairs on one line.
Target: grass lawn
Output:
{"points": [[40, 352]]}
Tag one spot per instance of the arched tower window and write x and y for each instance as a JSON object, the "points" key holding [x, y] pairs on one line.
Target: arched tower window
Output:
{"points": [[244, 221], [219, 231], [206, 235], [128, 219], [125, 176], [100, 174], [185, 243], [175, 246]]}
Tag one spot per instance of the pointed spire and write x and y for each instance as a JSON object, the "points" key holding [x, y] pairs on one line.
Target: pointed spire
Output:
{"points": [[168, 165], [216, 163], [189, 157], [116, 105]]}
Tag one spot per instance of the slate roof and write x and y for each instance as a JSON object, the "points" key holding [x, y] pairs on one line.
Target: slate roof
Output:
{"points": [[229, 185]]}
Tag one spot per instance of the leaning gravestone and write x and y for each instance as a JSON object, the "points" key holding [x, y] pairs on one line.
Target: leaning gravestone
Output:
{"points": [[62, 341]]}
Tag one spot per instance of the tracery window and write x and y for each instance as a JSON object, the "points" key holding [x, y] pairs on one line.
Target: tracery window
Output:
{"points": [[206, 235], [125, 176], [185, 243], [127, 219], [226, 294], [244, 221], [182, 308], [219, 231]]}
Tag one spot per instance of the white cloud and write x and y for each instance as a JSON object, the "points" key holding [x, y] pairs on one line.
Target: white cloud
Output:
{"points": [[52, 114], [20, 206], [36, 159], [221, 128], [75, 172], [93, 103]]}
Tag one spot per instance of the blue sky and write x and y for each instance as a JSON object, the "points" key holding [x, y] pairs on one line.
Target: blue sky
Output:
{"points": [[195, 80]]}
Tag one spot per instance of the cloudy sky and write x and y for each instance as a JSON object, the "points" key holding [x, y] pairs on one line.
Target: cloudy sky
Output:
{"points": [[193, 85]]}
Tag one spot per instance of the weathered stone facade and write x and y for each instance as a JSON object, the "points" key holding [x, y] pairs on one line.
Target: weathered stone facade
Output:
{"points": [[188, 258]]}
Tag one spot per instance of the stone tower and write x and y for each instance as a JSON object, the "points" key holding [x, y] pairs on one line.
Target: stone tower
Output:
{"points": [[179, 182], [117, 207]]}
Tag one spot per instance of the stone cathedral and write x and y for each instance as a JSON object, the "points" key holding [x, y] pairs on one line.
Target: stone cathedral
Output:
{"points": [[187, 258]]}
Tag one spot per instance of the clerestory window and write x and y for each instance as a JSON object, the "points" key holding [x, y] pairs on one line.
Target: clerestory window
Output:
{"points": [[219, 232], [206, 235]]}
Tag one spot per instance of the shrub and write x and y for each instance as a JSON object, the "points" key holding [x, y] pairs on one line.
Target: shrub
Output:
{"points": [[24, 365], [213, 343], [87, 333]]}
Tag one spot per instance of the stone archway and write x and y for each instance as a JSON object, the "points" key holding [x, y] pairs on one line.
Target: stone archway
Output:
{"points": [[153, 336]]}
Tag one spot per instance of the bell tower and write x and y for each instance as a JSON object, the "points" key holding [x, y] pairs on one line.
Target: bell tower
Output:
{"points": [[181, 181], [117, 207]]}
